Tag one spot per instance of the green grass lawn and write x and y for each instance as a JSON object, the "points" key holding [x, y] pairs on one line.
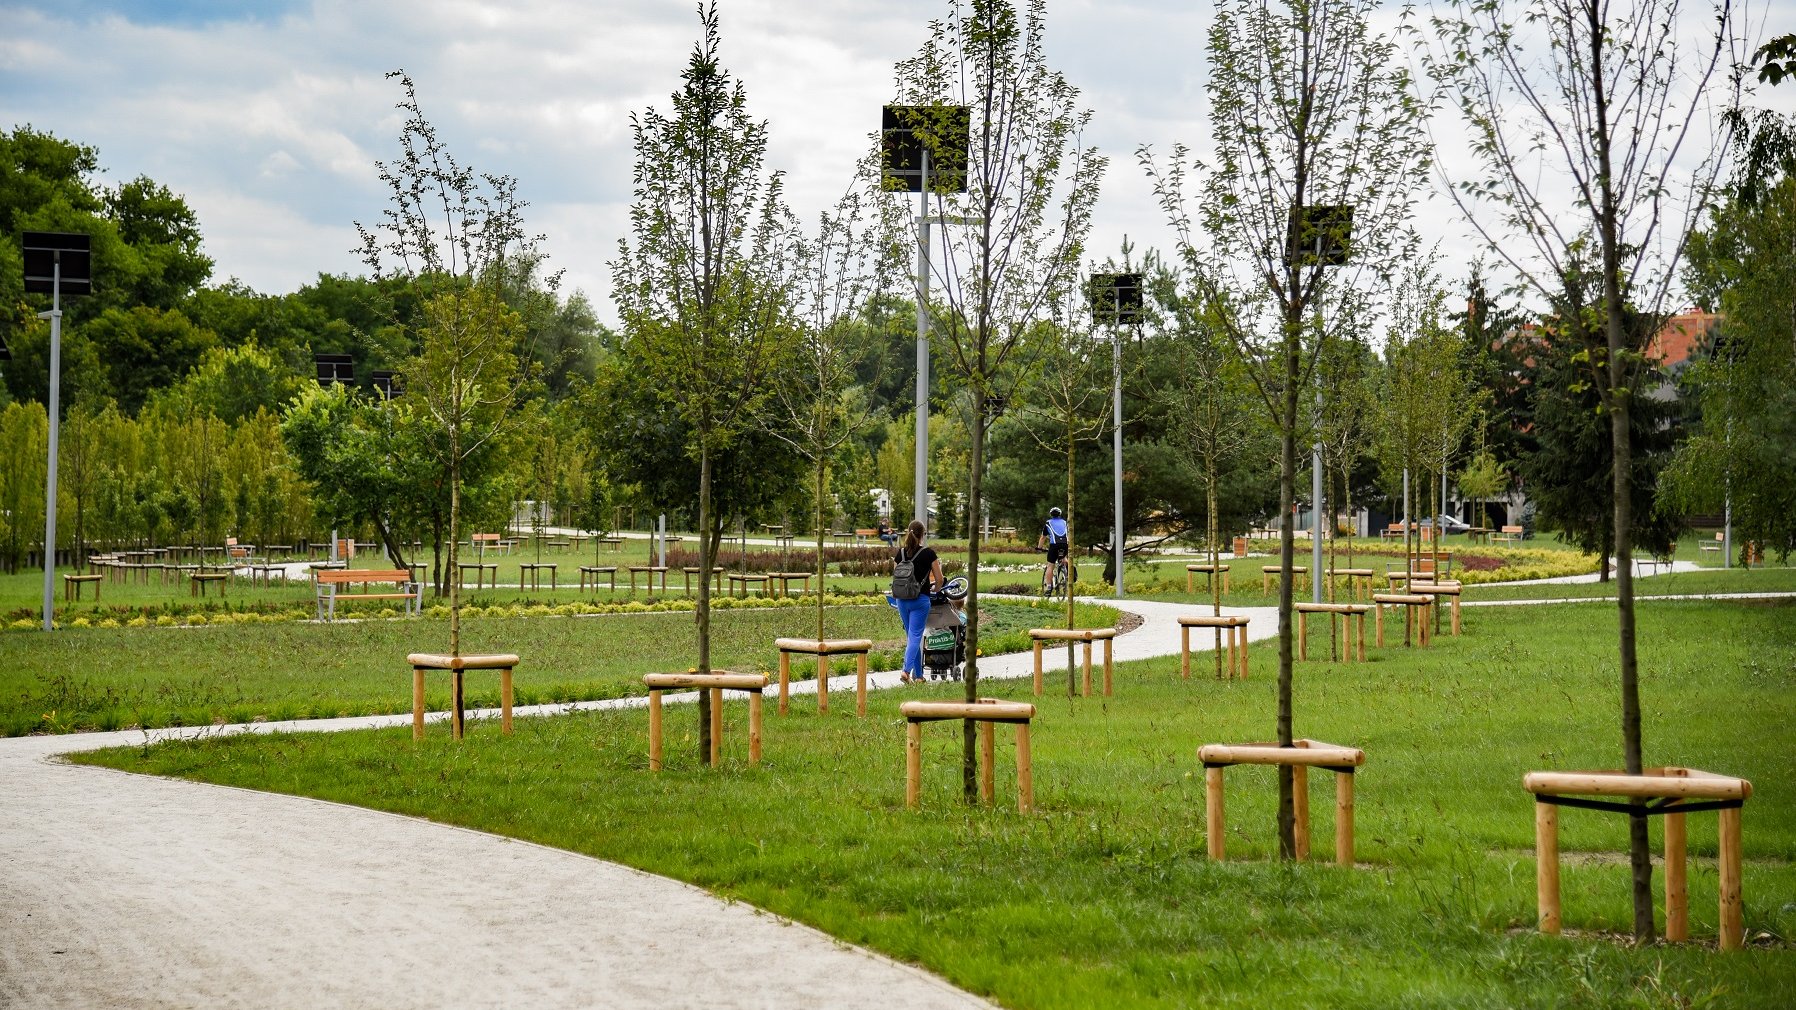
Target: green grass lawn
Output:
{"points": [[100, 678], [1104, 896]]}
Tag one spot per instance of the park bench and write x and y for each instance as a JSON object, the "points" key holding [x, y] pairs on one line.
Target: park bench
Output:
{"points": [[422, 662], [1353, 618], [862, 536], [1678, 791], [1510, 535], [716, 682], [1300, 756], [1227, 627], [987, 712], [1709, 546], [331, 584], [857, 647], [481, 541], [1039, 636], [1392, 531]]}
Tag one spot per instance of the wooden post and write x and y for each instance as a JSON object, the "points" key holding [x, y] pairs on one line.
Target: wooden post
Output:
{"points": [[1303, 637], [1300, 811], [1344, 818], [1025, 796], [1184, 652], [654, 731], [455, 690], [716, 725], [785, 678], [417, 703], [1361, 621], [860, 683], [1241, 637], [1733, 933], [1037, 645], [913, 764], [822, 681], [1109, 666], [1213, 810], [505, 699], [987, 762], [1546, 866], [1378, 611], [1677, 894], [754, 727], [1085, 689]]}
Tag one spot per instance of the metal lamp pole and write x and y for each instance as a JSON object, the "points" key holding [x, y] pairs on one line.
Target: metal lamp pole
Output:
{"points": [[921, 507], [1116, 427], [55, 317]]}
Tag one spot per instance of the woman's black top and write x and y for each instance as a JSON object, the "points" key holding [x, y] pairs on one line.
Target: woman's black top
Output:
{"points": [[924, 565]]}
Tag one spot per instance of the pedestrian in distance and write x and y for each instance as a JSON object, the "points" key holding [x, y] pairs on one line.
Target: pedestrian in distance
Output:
{"points": [[916, 573]]}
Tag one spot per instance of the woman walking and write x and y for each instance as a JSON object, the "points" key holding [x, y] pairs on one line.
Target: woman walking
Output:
{"points": [[914, 612]]}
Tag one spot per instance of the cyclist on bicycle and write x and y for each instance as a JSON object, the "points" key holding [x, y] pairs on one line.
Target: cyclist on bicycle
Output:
{"points": [[1053, 540]]}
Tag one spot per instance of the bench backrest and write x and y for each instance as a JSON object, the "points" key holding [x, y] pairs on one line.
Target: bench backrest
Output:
{"points": [[489, 538], [327, 576], [1512, 529]]}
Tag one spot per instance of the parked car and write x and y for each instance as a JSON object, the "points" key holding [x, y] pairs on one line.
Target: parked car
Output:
{"points": [[1448, 523]]}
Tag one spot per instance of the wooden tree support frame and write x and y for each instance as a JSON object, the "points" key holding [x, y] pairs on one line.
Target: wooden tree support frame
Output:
{"points": [[1208, 571], [987, 712], [1228, 628], [1353, 618], [1302, 573], [651, 571], [1411, 604], [1300, 756], [589, 574], [716, 576], [1450, 590], [1040, 636], [423, 662], [857, 647], [716, 683], [1358, 579], [1679, 791]]}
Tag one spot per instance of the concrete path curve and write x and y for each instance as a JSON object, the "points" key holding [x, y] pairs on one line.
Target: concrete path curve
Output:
{"points": [[121, 890]]}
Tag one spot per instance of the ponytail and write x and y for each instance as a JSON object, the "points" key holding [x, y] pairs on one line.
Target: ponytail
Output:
{"points": [[913, 537]]}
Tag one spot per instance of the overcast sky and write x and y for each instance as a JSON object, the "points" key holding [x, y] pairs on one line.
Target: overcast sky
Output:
{"points": [[268, 116]]}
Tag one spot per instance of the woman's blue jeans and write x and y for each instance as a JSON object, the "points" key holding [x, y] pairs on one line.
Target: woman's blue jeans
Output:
{"points": [[912, 614]]}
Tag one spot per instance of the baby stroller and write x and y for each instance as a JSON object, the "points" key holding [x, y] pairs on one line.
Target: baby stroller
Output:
{"points": [[945, 632]]}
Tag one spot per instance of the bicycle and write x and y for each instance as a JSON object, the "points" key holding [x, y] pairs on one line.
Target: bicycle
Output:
{"points": [[1056, 578]]}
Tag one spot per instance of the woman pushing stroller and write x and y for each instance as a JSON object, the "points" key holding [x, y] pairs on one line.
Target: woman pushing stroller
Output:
{"points": [[917, 573]]}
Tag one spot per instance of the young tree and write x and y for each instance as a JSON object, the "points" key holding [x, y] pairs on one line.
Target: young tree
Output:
{"points": [[702, 285], [1347, 424], [449, 234], [1309, 107], [816, 409], [1006, 249], [1603, 141]]}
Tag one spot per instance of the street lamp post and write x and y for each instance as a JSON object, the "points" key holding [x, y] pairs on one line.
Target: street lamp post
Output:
{"points": [[1116, 299], [908, 136], [55, 262], [1318, 236]]}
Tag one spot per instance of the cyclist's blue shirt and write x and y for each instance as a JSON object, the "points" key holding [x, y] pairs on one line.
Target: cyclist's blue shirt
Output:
{"points": [[1055, 530]]}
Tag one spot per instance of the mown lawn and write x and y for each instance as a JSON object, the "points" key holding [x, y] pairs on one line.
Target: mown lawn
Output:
{"points": [[1104, 897], [110, 678]]}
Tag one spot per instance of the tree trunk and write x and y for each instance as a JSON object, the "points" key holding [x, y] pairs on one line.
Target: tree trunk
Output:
{"points": [[969, 778], [822, 462], [1620, 406], [1287, 476], [455, 536], [1212, 538], [706, 554]]}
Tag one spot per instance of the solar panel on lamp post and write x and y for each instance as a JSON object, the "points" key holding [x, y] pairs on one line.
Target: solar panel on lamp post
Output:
{"points": [[56, 263], [1116, 299], [910, 135]]}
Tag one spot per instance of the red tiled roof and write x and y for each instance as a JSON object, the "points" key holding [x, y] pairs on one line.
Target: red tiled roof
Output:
{"points": [[1681, 335]]}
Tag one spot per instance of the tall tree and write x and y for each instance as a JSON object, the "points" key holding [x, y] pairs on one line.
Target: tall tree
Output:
{"points": [[1309, 107], [1616, 144], [1006, 249], [701, 284]]}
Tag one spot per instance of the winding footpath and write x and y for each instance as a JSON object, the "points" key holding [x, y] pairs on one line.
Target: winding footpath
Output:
{"points": [[121, 890]]}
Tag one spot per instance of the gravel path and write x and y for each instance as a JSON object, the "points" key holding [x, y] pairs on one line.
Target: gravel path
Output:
{"points": [[121, 890]]}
